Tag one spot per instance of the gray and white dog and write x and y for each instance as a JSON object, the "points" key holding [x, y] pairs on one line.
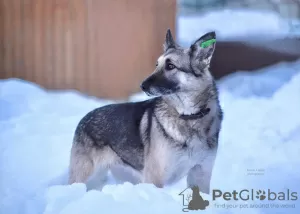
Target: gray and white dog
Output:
{"points": [[160, 140]]}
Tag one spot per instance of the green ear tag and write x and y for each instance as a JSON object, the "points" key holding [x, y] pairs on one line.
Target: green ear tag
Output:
{"points": [[207, 43]]}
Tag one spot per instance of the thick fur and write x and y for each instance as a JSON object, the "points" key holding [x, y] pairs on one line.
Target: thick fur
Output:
{"points": [[148, 141]]}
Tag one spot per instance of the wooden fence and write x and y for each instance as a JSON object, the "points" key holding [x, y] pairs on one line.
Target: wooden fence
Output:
{"points": [[100, 47]]}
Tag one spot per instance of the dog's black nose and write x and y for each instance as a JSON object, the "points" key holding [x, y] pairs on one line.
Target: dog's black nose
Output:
{"points": [[143, 86], [147, 83]]}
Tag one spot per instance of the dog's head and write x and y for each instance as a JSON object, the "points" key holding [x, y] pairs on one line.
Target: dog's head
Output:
{"points": [[181, 69]]}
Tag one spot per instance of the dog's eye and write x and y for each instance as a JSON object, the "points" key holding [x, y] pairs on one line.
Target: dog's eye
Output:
{"points": [[170, 66], [156, 64]]}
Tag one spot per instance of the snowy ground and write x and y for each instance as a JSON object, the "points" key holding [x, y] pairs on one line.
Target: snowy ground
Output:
{"points": [[261, 130]]}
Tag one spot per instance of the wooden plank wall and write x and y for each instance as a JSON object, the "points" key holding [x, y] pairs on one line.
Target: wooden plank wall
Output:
{"points": [[100, 47]]}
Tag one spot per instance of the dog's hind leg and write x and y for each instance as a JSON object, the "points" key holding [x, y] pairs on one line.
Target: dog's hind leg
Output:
{"points": [[81, 164], [89, 164], [98, 179], [84, 168], [104, 159]]}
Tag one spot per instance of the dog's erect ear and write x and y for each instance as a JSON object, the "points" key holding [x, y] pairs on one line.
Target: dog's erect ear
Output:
{"points": [[169, 42], [202, 50]]}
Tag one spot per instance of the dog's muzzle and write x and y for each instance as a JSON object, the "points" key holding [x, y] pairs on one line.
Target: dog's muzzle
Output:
{"points": [[146, 84], [157, 85]]}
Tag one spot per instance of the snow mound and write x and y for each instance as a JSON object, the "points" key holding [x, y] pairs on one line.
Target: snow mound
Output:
{"points": [[263, 83], [113, 199], [231, 24], [260, 131]]}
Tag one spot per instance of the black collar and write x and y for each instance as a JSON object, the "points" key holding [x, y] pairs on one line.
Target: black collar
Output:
{"points": [[203, 111]]}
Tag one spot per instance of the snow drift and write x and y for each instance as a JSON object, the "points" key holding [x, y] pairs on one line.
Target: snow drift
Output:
{"points": [[261, 130]]}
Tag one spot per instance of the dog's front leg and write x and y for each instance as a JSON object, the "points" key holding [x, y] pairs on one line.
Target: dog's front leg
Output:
{"points": [[153, 173], [198, 177]]}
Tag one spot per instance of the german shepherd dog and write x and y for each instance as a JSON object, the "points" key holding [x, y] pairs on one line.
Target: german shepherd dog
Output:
{"points": [[160, 140]]}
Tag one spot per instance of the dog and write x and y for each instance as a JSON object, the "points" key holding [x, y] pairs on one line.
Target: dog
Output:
{"points": [[162, 139]]}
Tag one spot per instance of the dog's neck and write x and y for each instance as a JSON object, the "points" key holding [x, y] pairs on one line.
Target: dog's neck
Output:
{"points": [[191, 105]]}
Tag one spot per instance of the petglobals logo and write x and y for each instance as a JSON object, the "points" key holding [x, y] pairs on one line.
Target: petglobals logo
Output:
{"points": [[246, 195], [260, 199], [238, 199]]}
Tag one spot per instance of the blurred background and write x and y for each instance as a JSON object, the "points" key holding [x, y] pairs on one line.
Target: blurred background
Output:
{"points": [[106, 48]]}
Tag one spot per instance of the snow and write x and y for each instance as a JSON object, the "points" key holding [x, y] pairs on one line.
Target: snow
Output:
{"points": [[264, 82], [232, 24], [261, 130]]}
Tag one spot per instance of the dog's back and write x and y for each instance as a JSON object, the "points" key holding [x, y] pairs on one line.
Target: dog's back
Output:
{"points": [[115, 124]]}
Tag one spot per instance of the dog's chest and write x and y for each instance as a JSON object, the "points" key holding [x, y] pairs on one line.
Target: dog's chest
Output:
{"points": [[192, 152], [177, 158], [178, 146], [183, 159]]}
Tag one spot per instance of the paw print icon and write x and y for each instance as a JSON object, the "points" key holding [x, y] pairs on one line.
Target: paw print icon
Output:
{"points": [[261, 195]]}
